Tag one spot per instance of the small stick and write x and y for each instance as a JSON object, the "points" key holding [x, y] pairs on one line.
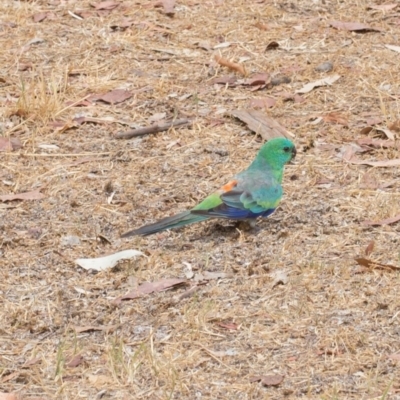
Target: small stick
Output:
{"points": [[155, 128], [231, 65]]}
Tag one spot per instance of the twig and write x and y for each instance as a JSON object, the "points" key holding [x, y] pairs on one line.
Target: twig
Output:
{"points": [[152, 129]]}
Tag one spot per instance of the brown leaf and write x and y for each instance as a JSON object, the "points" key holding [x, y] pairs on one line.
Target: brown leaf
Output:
{"points": [[272, 380], [365, 262], [336, 118], [369, 249], [33, 195], [223, 80], [382, 7], [386, 163], [261, 78], [374, 120], [151, 287], [8, 396], [261, 124], [40, 17], [272, 45], [32, 361], [395, 126], [9, 144], [74, 361], [122, 25], [268, 380], [353, 26], [231, 65], [105, 5], [265, 102], [228, 325], [377, 143], [366, 130], [386, 221], [113, 97], [261, 26]]}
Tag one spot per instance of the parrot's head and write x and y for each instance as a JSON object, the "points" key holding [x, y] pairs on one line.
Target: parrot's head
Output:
{"points": [[278, 152]]}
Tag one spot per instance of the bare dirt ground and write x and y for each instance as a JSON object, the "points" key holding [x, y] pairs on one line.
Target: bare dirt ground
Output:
{"points": [[295, 304]]}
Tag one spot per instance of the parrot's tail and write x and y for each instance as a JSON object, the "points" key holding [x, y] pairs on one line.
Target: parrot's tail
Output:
{"points": [[176, 221]]}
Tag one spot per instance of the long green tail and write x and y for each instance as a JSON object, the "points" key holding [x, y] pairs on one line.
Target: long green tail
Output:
{"points": [[176, 221]]}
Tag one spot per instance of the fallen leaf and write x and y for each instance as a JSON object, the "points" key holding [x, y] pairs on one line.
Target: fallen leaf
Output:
{"points": [[231, 65], [151, 287], [294, 97], [365, 262], [272, 380], [395, 126], [105, 5], [382, 7], [268, 380], [107, 262], [329, 80], [265, 102], [228, 325], [272, 45], [261, 78], [8, 396], [74, 361], [377, 143], [369, 249], [9, 144], [122, 25], [386, 221], [32, 361], [33, 195], [386, 163], [353, 26], [224, 80], [366, 130], [374, 120], [113, 97], [261, 124], [261, 26], [393, 47], [39, 17], [389, 134], [336, 118]]}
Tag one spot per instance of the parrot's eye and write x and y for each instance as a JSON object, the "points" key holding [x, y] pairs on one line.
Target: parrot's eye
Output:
{"points": [[286, 149]]}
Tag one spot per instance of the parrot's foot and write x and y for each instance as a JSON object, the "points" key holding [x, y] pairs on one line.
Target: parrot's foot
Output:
{"points": [[247, 225]]}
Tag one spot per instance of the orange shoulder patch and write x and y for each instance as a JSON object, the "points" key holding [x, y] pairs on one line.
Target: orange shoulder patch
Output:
{"points": [[229, 186]]}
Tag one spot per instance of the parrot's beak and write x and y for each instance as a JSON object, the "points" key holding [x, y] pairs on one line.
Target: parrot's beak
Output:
{"points": [[294, 152]]}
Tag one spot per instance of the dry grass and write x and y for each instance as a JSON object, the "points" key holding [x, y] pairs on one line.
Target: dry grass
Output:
{"points": [[329, 330]]}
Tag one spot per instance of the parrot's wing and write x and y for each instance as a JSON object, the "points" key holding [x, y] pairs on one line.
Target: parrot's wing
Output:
{"points": [[236, 204]]}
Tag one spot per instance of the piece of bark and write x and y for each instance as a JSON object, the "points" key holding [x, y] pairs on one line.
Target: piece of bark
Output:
{"points": [[155, 128], [260, 123]]}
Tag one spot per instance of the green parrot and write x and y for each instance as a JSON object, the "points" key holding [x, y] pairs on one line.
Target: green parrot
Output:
{"points": [[254, 192]]}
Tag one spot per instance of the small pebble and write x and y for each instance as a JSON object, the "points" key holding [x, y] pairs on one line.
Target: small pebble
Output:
{"points": [[326, 66]]}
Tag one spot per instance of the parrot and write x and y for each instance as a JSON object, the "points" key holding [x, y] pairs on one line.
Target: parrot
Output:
{"points": [[252, 193]]}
